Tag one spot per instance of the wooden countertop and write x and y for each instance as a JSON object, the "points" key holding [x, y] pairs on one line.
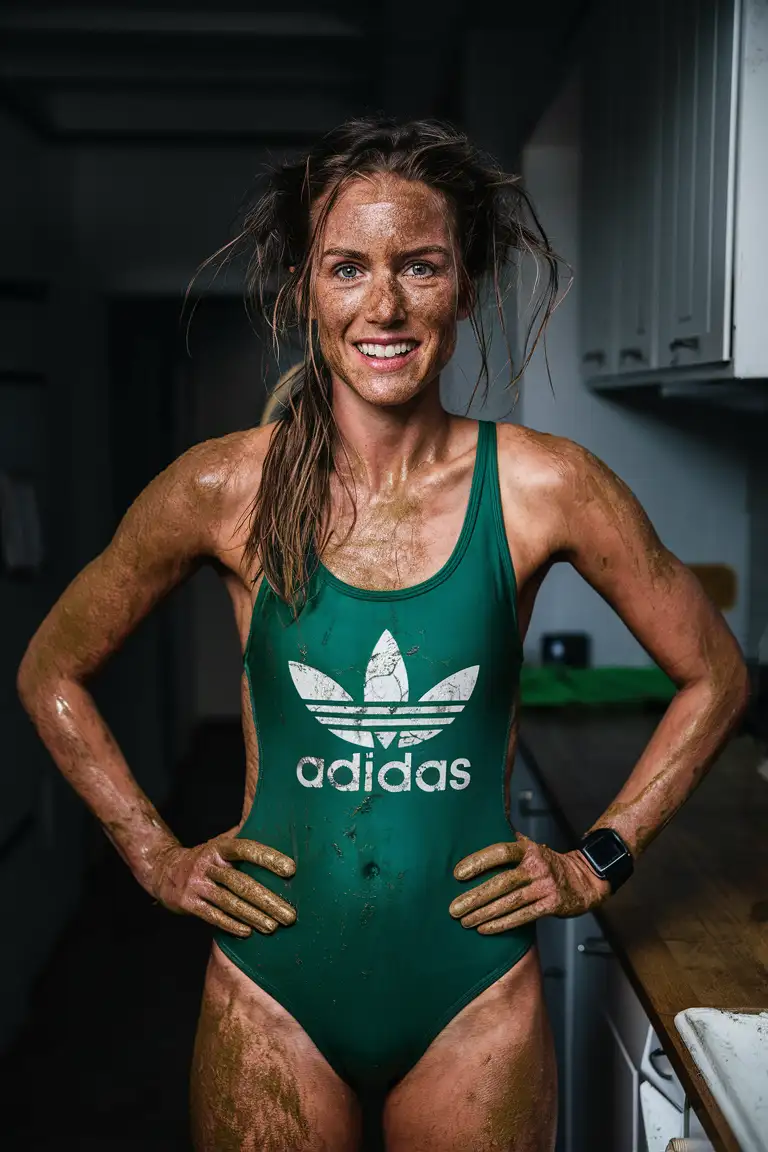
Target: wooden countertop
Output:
{"points": [[691, 926]]}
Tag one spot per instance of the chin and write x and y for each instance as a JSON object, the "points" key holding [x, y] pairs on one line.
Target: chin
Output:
{"points": [[386, 391]]}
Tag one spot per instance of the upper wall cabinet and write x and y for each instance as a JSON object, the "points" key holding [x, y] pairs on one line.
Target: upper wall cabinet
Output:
{"points": [[675, 163], [697, 168]]}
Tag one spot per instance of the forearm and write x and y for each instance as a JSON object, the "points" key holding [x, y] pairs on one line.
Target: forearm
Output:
{"points": [[84, 749], [684, 745]]}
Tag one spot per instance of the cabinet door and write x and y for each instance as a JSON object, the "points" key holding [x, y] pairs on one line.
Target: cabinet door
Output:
{"points": [[598, 264], [603, 1075], [588, 1106], [553, 938], [699, 83], [638, 103]]}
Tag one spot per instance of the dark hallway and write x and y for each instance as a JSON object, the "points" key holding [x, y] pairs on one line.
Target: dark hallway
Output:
{"points": [[103, 1060]]}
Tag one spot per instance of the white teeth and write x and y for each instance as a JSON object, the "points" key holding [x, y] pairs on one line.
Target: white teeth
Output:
{"points": [[387, 351]]}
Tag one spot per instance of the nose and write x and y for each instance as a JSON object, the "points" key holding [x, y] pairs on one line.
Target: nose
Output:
{"points": [[384, 302]]}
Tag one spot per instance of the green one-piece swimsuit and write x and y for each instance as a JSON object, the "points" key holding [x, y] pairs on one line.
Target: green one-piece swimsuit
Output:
{"points": [[383, 719]]}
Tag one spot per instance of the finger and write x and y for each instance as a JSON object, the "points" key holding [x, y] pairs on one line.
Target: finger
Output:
{"points": [[218, 919], [223, 898], [489, 890], [500, 907], [256, 894], [260, 854], [510, 852], [514, 920]]}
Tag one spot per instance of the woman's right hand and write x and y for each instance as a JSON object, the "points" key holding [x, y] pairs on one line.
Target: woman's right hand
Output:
{"points": [[202, 882]]}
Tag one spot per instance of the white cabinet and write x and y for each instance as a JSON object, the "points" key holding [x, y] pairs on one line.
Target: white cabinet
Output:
{"points": [[638, 151], [621, 190], [600, 230], [696, 233], [673, 244]]}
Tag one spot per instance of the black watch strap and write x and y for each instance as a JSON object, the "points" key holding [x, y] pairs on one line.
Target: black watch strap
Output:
{"points": [[608, 856]]}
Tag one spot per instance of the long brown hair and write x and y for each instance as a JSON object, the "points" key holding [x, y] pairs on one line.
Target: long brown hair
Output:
{"points": [[495, 225]]}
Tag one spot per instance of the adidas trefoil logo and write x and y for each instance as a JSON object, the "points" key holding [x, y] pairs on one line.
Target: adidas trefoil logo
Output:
{"points": [[386, 713]]}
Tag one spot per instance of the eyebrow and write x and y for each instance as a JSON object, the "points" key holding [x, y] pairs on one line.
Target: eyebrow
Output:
{"points": [[353, 254]]}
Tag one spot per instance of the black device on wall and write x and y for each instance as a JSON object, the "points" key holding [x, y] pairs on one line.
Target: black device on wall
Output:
{"points": [[571, 649]]}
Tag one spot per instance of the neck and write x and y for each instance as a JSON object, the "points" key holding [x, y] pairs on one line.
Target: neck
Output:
{"points": [[385, 445]]}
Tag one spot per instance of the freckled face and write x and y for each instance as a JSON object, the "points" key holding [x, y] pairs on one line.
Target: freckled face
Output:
{"points": [[385, 289]]}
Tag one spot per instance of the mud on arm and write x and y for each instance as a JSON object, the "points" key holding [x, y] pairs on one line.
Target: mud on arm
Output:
{"points": [[609, 540], [159, 542]]}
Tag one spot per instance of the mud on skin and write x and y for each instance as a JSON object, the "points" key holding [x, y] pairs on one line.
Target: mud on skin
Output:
{"points": [[244, 1094]]}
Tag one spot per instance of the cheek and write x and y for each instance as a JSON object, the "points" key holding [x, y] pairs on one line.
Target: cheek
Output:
{"points": [[437, 312], [335, 307]]}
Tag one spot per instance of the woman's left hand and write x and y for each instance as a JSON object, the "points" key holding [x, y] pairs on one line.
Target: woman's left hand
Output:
{"points": [[540, 883]]}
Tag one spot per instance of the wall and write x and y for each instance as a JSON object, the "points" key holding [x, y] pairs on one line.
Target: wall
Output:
{"points": [[145, 216], [223, 389], [42, 824], [691, 482]]}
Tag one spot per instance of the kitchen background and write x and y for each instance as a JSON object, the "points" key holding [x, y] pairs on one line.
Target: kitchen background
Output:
{"points": [[131, 136]]}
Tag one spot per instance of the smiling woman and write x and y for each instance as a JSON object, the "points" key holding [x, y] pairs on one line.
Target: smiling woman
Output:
{"points": [[383, 558], [380, 240]]}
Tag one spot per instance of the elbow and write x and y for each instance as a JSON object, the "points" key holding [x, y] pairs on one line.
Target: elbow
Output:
{"points": [[25, 679], [30, 678]]}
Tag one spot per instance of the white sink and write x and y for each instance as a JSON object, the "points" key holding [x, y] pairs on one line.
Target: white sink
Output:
{"points": [[731, 1051]]}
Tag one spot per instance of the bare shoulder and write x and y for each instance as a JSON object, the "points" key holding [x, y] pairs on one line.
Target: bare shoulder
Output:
{"points": [[538, 465], [203, 494], [579, 501], [553, 488], [221, 478]]}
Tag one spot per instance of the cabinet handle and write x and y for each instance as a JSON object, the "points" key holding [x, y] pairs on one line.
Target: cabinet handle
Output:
{"points": [[597, 356], [526, 808], [691, 342], [595, 946], [631, 354], [658, 1054]]}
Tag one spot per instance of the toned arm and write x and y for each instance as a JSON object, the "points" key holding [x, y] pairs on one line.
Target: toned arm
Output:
{"points": [[182, 517], [563, 504], [604, 533], [162, 537]]}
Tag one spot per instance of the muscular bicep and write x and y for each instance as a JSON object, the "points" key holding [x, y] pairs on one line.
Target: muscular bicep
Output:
{"points": [[163, 536], [610, 541]]}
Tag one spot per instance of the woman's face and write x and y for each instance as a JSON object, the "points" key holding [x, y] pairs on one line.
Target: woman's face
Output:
{"points": [[385, 288]]}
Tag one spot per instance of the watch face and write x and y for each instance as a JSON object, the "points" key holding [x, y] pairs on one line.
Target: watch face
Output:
{"points": [[605, 849]]}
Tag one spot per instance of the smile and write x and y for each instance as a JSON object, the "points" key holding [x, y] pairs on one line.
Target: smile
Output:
{"points": [[387, 357], [387, 351]]}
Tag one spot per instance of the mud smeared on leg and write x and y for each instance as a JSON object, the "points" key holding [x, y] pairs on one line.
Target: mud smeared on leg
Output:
{"points": [[245, 1095]]}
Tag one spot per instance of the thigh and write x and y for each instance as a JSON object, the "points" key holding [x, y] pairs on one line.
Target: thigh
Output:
{"points": [[488, 1081], [258, 1083]]}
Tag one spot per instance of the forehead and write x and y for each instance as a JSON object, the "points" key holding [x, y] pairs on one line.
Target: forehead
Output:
{"points": [[387, 209]]}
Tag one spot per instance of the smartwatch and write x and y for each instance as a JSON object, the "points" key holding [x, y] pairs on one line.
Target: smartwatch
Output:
{"points": [[608, 856]]}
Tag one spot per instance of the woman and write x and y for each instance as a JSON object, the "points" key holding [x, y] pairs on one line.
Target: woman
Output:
{"points": [[374, 909]]}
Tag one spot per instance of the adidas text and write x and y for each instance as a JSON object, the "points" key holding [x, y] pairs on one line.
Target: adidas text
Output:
{"points": [[394, 776]]}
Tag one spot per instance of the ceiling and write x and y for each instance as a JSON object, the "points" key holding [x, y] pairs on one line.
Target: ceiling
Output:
{"points": [[201, 71]]}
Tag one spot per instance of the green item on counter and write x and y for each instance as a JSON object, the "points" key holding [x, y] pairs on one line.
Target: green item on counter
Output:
{"points": [[552, 685]]}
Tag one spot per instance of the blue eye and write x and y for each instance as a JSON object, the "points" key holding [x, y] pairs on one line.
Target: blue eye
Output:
{"points": [[427, 270], [344, 268]]}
